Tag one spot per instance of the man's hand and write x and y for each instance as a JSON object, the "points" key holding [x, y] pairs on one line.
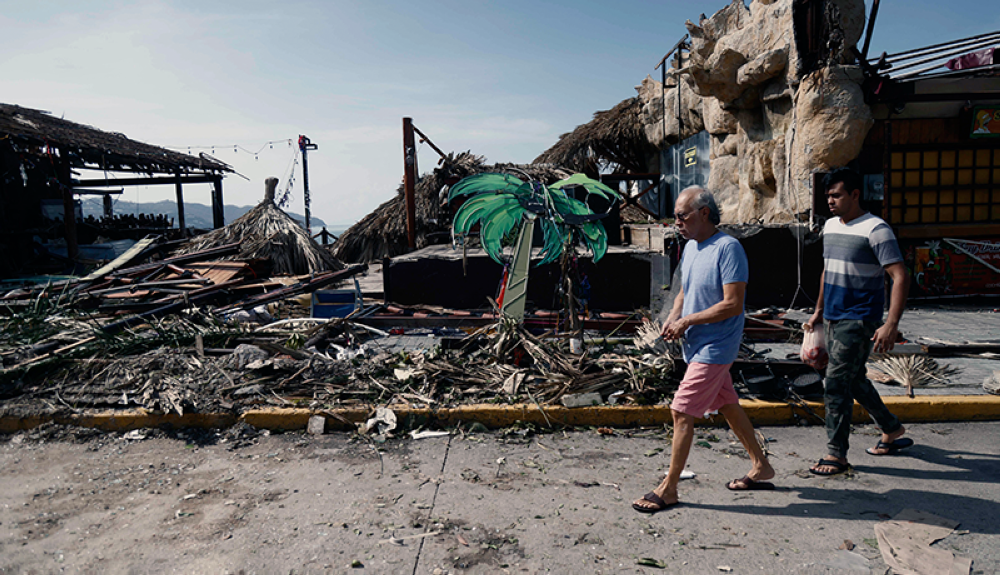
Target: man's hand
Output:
{"points": [[885, 338], [816, 319], [675, 329]]}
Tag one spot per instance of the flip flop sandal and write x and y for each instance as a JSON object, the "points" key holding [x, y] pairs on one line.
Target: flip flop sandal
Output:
{"points": [[747, 484], [655, 500], [892, 447], [839, 467]]}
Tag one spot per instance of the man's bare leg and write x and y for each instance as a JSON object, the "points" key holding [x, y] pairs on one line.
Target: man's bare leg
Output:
{"points": [[680, 448], [741, 426]]}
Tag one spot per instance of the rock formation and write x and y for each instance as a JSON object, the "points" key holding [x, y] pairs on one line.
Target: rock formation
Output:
{"points": [[774, 85]]}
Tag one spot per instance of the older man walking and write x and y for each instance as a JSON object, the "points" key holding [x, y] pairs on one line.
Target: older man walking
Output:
{"points": [[858, 250], [708, 314]]}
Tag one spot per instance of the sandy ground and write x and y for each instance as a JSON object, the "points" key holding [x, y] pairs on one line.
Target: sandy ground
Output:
{"points": [[242, 501]]}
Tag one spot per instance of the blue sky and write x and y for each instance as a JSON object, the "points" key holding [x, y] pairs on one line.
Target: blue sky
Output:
{"points": [[502, 79]]}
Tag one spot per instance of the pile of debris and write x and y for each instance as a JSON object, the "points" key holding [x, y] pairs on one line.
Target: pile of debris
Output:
{"points": [[63, 360]]}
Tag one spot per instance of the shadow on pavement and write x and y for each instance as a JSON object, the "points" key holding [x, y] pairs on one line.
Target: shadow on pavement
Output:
{"points": [[975, 514], [965, 465]]}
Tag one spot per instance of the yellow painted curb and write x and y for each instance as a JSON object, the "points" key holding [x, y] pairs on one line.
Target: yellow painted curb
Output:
{"points": [[918, 409]]}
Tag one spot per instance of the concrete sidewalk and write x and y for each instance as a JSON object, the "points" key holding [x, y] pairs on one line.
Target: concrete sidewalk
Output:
{"points": [[481, 503]]}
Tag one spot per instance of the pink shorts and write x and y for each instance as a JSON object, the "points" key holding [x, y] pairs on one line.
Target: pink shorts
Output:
{"points": [[705, 388]]}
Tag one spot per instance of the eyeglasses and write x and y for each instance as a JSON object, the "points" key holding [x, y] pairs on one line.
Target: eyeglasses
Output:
{"points": [[682, 217]]}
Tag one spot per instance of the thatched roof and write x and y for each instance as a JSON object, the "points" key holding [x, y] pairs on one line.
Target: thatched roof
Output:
{"points": [[614, 136], [88, 147], [268, 233], [383, 232]]}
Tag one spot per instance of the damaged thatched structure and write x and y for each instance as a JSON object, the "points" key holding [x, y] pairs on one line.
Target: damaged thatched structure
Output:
{"points": [[615, 138], [268, 233], [382, 233]]}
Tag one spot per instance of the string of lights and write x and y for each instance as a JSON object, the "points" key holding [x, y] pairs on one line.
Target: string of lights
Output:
{"points": [[286, 196], [269, 145]]}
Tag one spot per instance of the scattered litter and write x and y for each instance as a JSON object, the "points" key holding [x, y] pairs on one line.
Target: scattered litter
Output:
{"points": [[136, 435], [684, 474], [316, 425], [426, 434], [650, 562], [725, 568], [581, 400], [905, 543], [401, 540], [383, 423], [992, 383]]}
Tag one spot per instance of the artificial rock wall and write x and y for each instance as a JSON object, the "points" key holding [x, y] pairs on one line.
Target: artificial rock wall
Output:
{"points": [[779, 101]]}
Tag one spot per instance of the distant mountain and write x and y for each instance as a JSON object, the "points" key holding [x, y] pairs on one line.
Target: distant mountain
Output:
{"points": [[195, 215]]}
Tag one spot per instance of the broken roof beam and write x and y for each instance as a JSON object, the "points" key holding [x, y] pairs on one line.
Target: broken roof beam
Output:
{"points": [[309, 286]]}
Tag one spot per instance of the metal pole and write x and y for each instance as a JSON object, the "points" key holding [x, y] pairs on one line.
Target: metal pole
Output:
{"points": [[305, 144], [410, 182], [871, 28]]}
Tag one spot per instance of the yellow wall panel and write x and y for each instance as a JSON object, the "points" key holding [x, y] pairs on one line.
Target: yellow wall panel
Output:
{"points": [[964, 197], [930, 178], [912, 179], [948, 159], [981, 213], [947, 196], [897, 160], [947, 214], [912, 160], [930, 160], [896, 179], [982, 157], [965, 158], [963, 213], [928, 215], [982, 176]]}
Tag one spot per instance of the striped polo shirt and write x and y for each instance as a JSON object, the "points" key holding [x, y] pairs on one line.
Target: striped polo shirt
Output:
{"points": [[854, 256]]}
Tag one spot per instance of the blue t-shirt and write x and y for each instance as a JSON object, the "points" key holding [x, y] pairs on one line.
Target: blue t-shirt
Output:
{"points": [[705, 268]]}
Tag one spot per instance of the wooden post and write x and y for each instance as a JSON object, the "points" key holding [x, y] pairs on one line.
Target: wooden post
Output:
{"points": [[218, 207], [410, 182], [179, 189], [69, 208]]}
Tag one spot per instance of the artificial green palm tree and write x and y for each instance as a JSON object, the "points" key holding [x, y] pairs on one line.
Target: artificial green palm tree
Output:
{"points": [[501, 202]]}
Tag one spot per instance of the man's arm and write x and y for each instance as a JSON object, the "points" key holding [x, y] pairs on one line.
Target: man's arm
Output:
{"points": [[885, 336], [817, 316], [731, 305], [675, 312]]}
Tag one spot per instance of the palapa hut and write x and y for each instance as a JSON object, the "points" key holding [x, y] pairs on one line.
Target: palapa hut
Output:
{"points": [[268, 233], [382, 233], [614, 140]]}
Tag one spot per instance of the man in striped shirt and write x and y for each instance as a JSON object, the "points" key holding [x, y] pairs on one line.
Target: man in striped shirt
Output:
{"points": [[858, 249]]}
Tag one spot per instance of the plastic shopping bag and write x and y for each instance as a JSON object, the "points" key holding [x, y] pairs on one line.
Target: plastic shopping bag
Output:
{"points": [[813, 351]]}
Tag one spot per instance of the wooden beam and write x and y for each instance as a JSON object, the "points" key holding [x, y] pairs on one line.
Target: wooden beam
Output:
{"points": [[218, 207], [152, 181], [181, 221]]}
